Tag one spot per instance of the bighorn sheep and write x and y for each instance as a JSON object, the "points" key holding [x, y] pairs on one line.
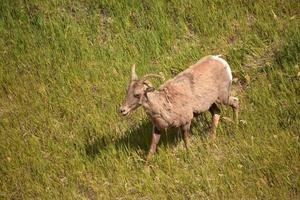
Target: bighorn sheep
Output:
{"points": [[197, 89]]}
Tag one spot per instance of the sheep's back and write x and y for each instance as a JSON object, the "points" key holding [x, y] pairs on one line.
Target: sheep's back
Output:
{"points": [[200, 85]]}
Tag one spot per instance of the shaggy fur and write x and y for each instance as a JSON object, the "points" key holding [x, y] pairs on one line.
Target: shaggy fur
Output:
{"points": [[192, 91]]}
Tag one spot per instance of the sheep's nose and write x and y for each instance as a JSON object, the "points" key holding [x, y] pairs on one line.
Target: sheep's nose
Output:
{"points": [[122, 110]]}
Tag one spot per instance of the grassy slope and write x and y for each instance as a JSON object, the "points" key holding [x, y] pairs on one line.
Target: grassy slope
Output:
{"points": [[63, 70]]}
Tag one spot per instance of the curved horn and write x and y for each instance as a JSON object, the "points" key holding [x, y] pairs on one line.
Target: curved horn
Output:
{"points": [[151, 76], [133, 73]]}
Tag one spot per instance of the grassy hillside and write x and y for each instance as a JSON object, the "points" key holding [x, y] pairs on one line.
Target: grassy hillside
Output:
{"points": [[64, 67]]}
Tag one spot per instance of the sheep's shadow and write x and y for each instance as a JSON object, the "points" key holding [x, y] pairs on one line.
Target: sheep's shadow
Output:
{"points": [[139, 139]]}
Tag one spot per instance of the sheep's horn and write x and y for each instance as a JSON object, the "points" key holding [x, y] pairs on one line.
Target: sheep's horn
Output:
{"points": [[151, 76], [133, 73]]}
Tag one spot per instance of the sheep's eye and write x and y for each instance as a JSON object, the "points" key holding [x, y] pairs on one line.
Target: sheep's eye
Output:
{"points": [[137, 95]]}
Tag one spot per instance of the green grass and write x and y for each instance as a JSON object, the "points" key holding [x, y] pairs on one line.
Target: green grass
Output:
{"points": [[64, 67]]}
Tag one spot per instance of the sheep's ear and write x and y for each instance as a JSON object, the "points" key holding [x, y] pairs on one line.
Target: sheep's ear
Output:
{"points": [[149, 89], [148, 83], [133, 73]]}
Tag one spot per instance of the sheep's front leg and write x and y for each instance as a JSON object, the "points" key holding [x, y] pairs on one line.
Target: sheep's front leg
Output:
{"points": [[185, 130], [234, 103], [154, 142]]}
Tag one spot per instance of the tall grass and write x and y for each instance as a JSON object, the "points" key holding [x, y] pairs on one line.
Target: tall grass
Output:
{"points": [[64, 66]]}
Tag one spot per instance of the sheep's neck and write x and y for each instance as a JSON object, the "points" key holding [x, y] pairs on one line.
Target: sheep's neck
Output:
{"points": [[158, 107], [151, 103]]}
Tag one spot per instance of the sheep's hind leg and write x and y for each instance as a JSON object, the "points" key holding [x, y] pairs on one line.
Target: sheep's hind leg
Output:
{"points": [[234, 103], [185, 130], [215, 112]]}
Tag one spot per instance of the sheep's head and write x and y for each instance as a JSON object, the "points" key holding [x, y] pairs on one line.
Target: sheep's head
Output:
{"points": [[136, 92]]}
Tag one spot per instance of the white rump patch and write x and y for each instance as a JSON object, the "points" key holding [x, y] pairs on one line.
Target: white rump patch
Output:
{"points": [[221, 60]]}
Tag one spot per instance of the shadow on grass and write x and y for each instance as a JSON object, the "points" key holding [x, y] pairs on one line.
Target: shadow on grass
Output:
{"points": [[139, 139]]}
